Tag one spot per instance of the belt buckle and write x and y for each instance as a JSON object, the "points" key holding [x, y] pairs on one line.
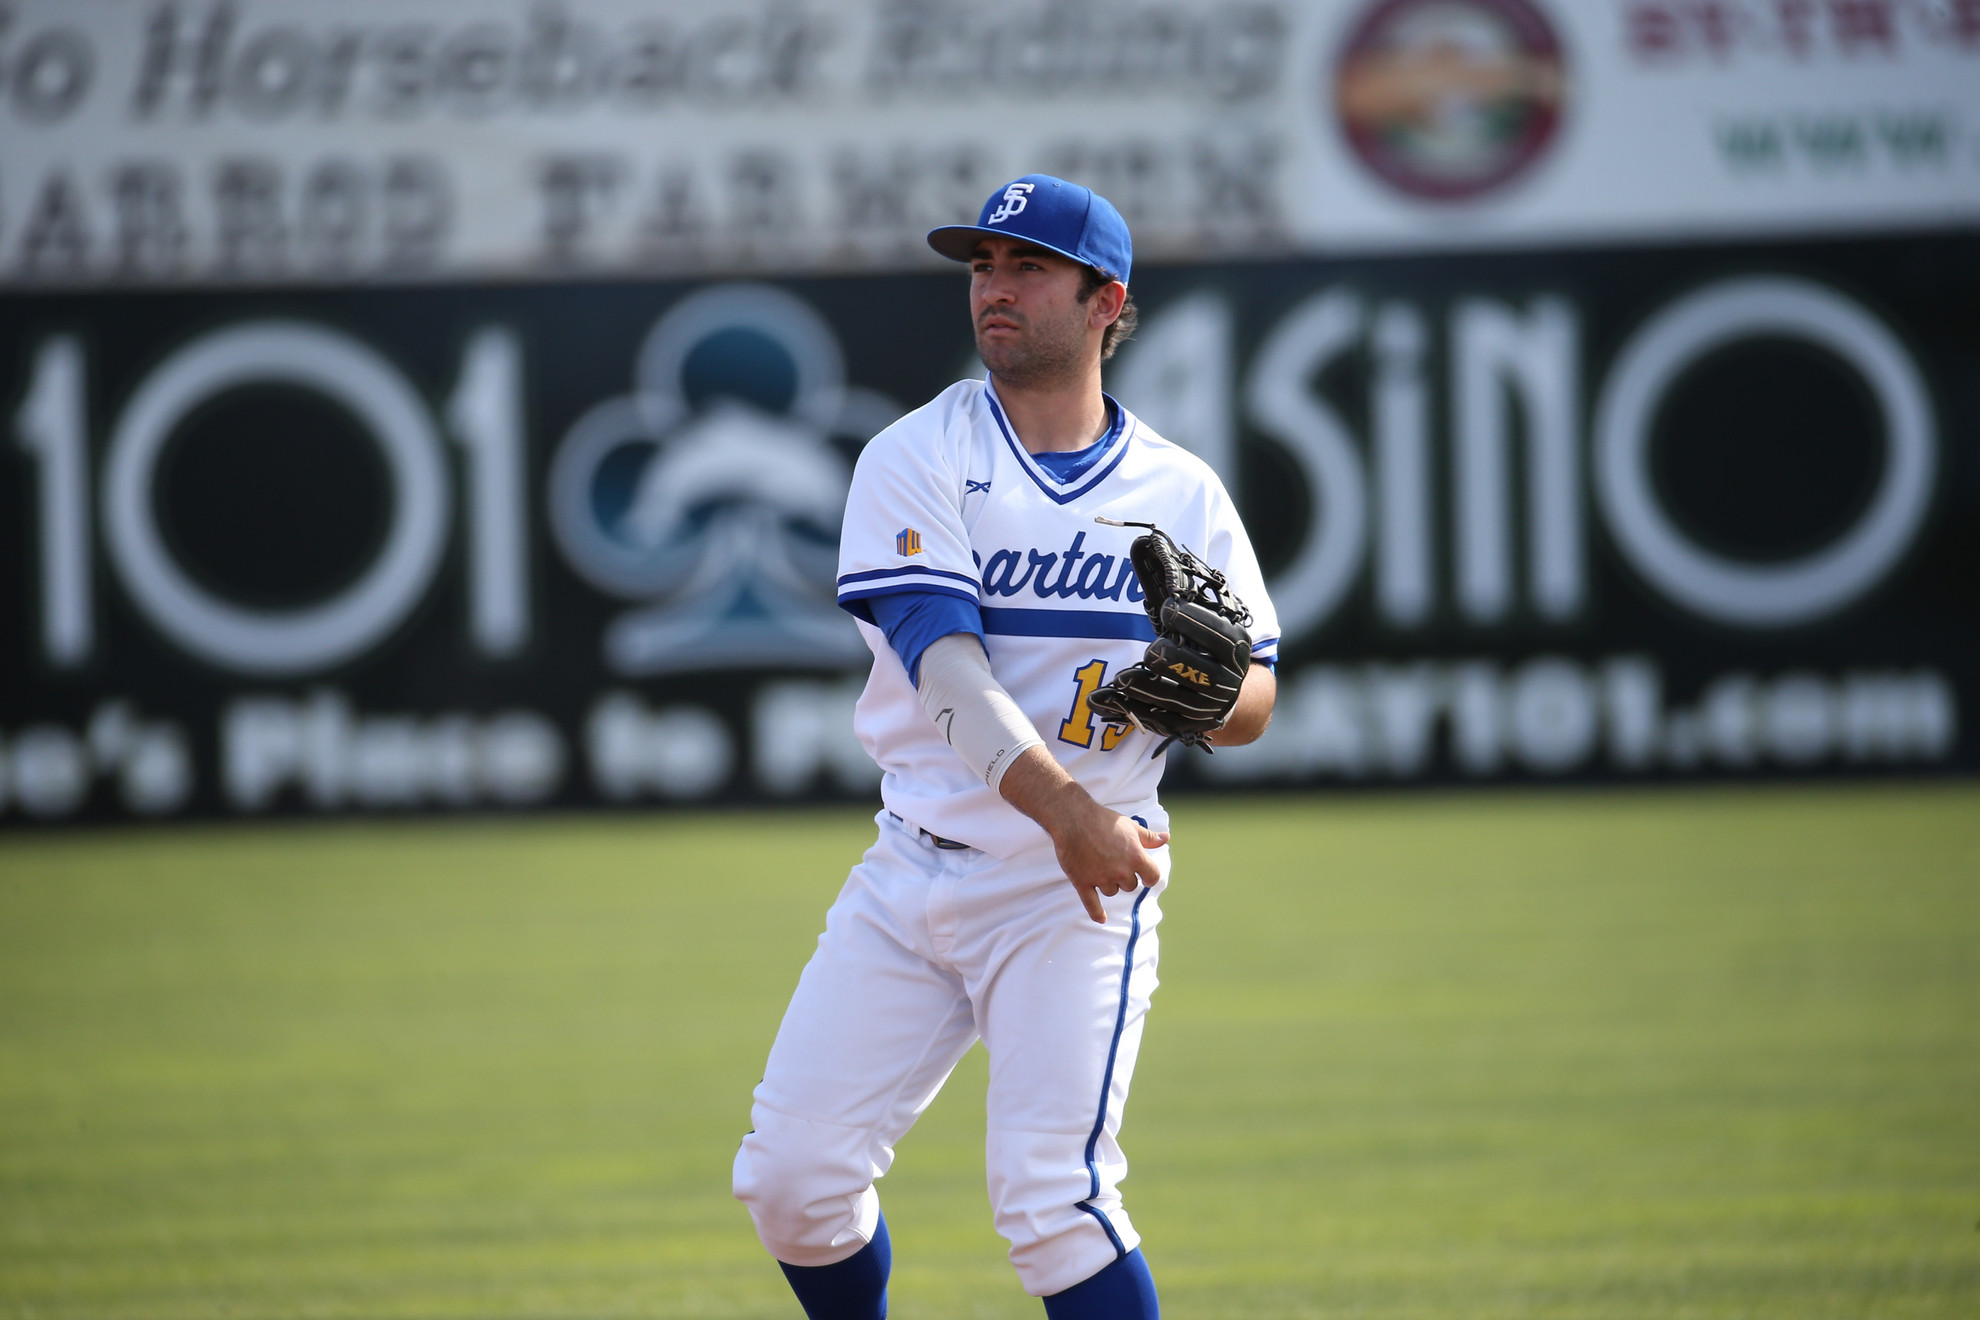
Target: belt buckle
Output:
{"points": [[947, 845]]}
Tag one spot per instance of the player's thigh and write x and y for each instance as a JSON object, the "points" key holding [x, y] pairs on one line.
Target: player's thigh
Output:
{"points": [[1062, 1008], [876, 1023]]}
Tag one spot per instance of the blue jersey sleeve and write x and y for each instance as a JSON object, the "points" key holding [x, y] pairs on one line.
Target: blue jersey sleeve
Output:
{"points": [[916, 620]]}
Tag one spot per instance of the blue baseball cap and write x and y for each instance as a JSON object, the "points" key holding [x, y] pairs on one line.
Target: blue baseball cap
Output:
{"points": [[1072, 221]]}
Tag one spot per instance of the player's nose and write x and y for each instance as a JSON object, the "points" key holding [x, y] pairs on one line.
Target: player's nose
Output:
{"points": [[997, 282]]}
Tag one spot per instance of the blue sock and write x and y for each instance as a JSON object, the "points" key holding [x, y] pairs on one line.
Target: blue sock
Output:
{"points": [[1122, 1291], [852, 1289]]}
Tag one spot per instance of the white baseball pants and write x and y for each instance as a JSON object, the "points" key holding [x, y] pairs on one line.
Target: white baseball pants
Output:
{"points": [[926, 950]]}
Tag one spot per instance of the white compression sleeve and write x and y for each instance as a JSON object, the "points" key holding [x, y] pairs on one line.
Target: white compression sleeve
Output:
{"points": [[972, 709]]}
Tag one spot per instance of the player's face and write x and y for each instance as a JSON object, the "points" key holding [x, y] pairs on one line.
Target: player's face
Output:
{"points": [[1031, 327]]}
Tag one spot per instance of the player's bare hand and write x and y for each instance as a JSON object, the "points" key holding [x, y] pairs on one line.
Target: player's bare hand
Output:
{"points": [[1101, 852], [1111, 856]]}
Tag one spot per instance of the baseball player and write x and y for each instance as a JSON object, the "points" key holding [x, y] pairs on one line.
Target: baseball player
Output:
{"points": [[1032, 660]]}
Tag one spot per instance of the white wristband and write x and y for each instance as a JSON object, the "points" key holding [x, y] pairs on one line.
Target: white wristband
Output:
{"points": [[972, 709]]}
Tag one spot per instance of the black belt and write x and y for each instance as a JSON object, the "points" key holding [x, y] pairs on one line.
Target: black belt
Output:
{"points": [[930, 835]]}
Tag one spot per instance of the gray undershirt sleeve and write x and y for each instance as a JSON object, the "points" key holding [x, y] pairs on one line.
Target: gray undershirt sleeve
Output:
{"points": [[971, 708]]}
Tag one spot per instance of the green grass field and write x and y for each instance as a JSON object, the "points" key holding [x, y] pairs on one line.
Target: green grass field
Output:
{"points": [[1670, 1054]]}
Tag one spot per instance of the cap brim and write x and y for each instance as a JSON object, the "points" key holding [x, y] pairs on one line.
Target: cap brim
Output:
{"points": [[958, 242]]}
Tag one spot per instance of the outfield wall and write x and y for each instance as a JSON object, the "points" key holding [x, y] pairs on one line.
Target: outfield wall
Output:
{"points": [[1620, 419]]}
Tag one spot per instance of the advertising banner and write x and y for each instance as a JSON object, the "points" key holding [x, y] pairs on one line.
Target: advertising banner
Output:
{"points": [[257, 141], [1643, 512]]}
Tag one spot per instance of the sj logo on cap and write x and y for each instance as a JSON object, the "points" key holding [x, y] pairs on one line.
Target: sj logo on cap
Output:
{"points": [[1016, 197]]}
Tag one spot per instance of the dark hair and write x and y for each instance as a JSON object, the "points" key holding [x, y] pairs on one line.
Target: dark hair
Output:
{"points": [[1091, 280]]}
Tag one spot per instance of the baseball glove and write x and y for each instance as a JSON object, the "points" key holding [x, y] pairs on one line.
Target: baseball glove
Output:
{"points": [[1187, 682]]}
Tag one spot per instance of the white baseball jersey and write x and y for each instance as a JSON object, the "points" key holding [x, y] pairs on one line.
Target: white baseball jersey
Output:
{"points": [[947, 500]]}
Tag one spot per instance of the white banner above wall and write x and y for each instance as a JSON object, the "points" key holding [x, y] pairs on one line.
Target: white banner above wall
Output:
{"points": [[274, 141]]}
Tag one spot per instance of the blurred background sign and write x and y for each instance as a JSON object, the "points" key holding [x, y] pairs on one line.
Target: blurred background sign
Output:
{"points": [[243, 141], [419, 406]]}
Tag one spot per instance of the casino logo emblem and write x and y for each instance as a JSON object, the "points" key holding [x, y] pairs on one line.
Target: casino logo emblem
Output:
{"points": [[712, 494], [1448, 100]]}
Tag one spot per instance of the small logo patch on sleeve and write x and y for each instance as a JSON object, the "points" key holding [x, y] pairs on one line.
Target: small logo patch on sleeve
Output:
{"points": [[908, 542]]}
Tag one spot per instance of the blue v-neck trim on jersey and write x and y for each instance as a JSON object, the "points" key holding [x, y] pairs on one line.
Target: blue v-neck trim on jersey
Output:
{"points": [[1092, 463], [1069, 465]]}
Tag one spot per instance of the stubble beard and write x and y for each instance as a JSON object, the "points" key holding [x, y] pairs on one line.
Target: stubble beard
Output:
{"points": [[1042, 355]]}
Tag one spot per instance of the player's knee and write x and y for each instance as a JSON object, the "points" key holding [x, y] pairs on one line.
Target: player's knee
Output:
{"points": [[809, 1189]]}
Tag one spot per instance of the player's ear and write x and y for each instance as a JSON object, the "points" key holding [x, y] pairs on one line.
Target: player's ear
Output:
{"points": [[1105, 306]]}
